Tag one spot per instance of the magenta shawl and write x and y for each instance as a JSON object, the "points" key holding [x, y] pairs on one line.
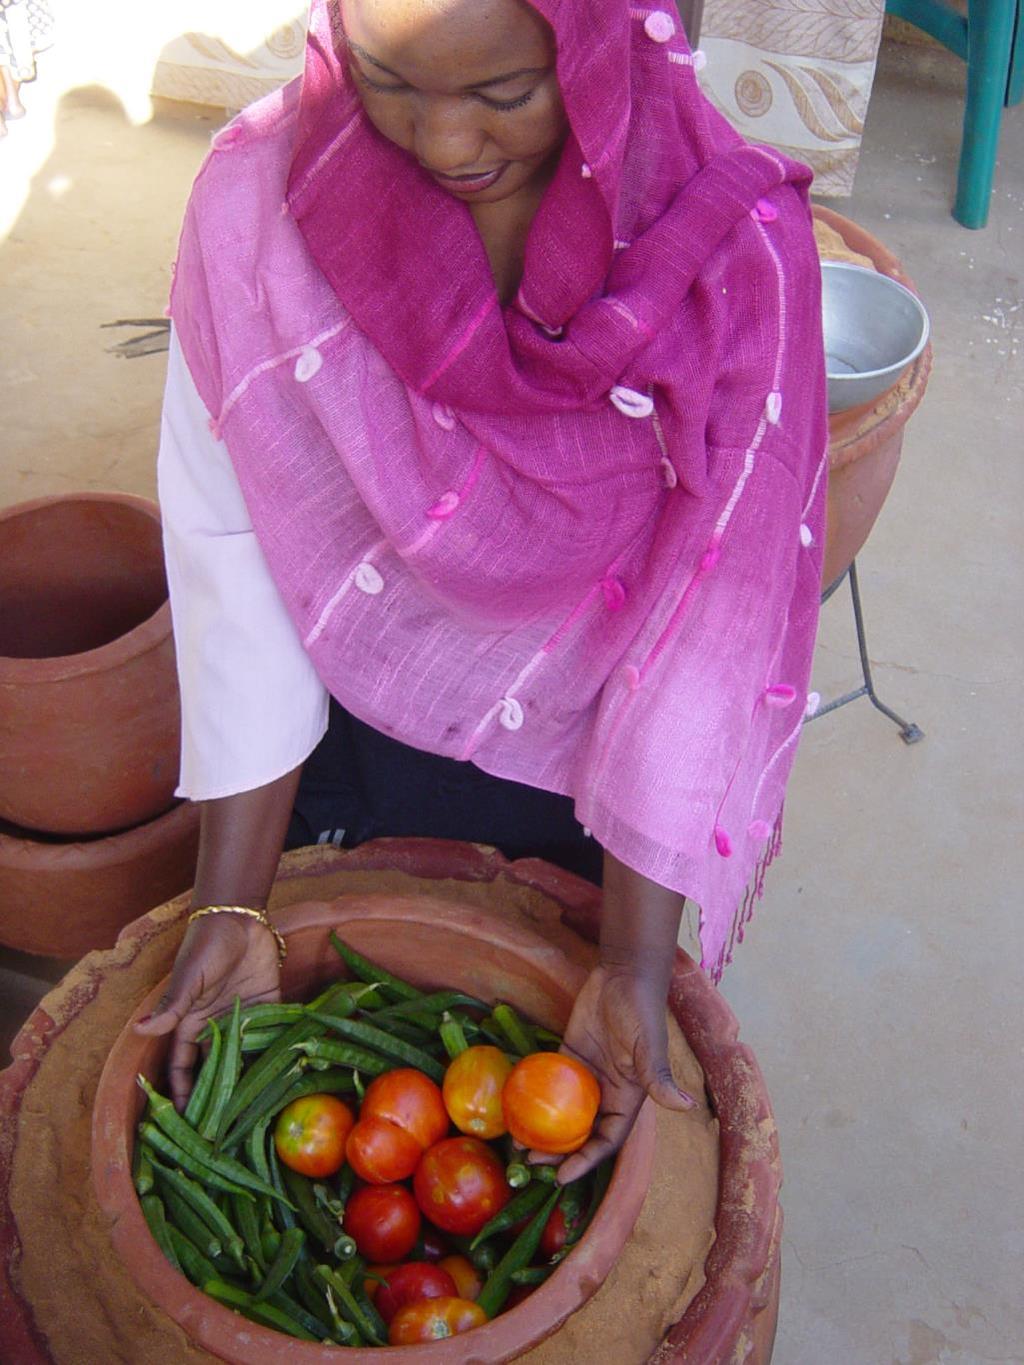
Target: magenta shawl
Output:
{"points": [[575, 539]]}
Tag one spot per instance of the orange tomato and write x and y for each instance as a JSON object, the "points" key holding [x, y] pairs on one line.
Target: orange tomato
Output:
{"points": [[550, 1101], [468, 1282], [472, 1090], [434, 1319], [310, 1134], [380, 1152], [410, 1100]]}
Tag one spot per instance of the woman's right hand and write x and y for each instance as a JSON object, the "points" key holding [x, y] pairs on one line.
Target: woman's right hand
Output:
{"points": [[221, 956]]}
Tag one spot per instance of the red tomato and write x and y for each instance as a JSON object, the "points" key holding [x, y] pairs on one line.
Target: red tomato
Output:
{"points": [[555, 1233], [460, 1184], [374, 1275], [472, 1090], [310, 1134], [384, 1222], [380, 1152], [433, 1319], [411, 1282], [412, 1101], [550, 1102], [468, 1282]]}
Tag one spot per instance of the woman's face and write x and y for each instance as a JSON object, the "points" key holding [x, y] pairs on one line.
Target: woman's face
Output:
{"points": [[467, 87]]}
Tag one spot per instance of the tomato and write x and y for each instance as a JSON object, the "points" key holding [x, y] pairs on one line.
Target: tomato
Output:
{"points": [[460, 1184], [412, 1101], [381, 1152], [410, 1283], [472, 1090], [550, 1102], [384, 1222], [374, 1275], [433, 1319], [555, 1234], [310, 1134], [468, 1282]]}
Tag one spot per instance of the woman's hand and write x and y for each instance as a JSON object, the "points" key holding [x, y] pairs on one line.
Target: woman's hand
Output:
{"points": [[221, 956], [618, 1029]]}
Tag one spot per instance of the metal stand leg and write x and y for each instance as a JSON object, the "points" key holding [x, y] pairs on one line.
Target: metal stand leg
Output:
{"points": [[909, 732]]}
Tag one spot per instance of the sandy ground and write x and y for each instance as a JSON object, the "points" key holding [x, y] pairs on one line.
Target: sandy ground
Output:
{"points": [[881, 982]]}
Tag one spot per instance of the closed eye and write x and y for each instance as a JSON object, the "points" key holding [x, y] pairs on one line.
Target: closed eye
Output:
{"points": [[503, 105]]}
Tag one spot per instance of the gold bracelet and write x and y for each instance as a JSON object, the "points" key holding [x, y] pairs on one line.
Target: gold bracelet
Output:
{"points": [[261, 915]]}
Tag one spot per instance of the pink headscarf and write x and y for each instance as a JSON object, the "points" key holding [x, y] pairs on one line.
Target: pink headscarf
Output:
{"points": [[575, 539]]}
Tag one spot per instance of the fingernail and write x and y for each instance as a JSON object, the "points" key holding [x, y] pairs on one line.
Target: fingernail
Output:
{"points": [[688, 1098], [144, 1019]]}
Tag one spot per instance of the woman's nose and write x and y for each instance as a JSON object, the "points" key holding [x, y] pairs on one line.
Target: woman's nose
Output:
{"points": [[448, 138]]}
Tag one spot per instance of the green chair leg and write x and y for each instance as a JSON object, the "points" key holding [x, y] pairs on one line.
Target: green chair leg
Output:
{"points": [[1015, 82], [990, 30]]}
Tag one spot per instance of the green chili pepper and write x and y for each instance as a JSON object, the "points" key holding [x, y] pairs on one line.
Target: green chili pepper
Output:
{"points": [[520, 1206], [519, 1255], [531, 1274], [264, 1313], [517, 1033], [153, 1210], [368, 1036], [288, 1252], [203, 1088]]}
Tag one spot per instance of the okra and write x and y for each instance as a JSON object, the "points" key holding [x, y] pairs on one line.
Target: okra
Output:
{"points": [[363, 1321], [346, 1184], [158, 1141], [263, 1104], [246, 1217], [288, 1252], [296, 1087], [212, 1125], [201, 1091], [264, 1015], [259, 1039], [438, 1003], [312, 1293], [284, 1209], [256, 1149], [153, 1211], [527, 1201], [196, 1148], [183, 1216], [519, 1255], [452, 1034], [313, 1322], [345, 1054], [370, 972], [368, 1036], [277, 1058], [193, 1263], [516, 1032], [312, 1217], [602, 1179], [344, 1331], [264, 1313], [201, 1204], [142, 1171]]}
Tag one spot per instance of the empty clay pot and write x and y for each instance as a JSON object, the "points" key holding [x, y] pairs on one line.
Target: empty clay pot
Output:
{"points": [[865, 443], [89, 712], [61, 897], [435, 944]]}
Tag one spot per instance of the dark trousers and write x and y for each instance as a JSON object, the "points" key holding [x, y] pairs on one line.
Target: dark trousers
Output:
{"points": [[359, 784]]}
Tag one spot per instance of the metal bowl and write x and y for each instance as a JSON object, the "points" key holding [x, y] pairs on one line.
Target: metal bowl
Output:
{"points": [[874, 328]]}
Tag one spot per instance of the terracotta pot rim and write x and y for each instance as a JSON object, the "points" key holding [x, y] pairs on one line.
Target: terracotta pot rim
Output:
{"points": [[80, 855], [148, 635], [506, 1336]]}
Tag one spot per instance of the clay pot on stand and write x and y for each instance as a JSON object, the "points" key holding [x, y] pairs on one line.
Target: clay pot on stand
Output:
{"points": [[865, 443], [730, 1318], [89, 712]]}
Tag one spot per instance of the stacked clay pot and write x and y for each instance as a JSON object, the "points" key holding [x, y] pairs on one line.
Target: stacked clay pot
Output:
{"points": [[865, 443], [90, 832]]}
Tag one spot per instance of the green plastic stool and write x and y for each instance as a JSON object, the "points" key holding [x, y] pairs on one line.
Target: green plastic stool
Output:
{"points": [[990, 39]]}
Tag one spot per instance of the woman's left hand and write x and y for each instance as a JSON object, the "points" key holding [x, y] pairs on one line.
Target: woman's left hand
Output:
{"points": [[618, 1028]]}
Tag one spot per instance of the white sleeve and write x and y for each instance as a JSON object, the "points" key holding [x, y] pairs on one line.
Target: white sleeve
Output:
{"points": [[252, 705]]}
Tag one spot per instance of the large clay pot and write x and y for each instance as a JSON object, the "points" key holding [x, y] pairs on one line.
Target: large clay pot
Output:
{"points": [[436, 944], [865, 443], [61, 898], [731, 1319], [89, 713]]}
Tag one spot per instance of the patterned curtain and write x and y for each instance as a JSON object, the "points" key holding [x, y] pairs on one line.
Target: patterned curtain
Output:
{"points": [[204, 69], [796, 74]]}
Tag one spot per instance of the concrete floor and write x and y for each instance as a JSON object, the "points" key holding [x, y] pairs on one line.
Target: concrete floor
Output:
{"points": [[881, 982]]}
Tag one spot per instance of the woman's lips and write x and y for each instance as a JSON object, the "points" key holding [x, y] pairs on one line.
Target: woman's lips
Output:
{"points": [[470, 184]]}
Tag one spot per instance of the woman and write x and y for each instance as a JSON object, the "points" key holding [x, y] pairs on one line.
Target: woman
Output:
{"points": [[510, 355]]}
